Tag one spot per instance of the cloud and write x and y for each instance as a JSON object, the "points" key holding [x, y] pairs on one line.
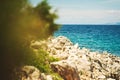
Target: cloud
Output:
{"points": [[88, 16], [111, 1]]}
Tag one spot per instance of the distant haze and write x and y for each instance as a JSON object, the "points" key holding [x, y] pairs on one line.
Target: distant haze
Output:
{"points": [[86, 11]]}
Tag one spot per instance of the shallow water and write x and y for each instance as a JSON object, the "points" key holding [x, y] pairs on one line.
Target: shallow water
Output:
{"points": [[95, 37]]}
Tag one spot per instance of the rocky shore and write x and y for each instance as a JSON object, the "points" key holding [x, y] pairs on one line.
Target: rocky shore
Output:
{"points": [[80, 63]]}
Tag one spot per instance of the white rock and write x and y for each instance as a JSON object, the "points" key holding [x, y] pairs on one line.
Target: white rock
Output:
{"points": [[76, 45], [49, 77], [110, 79], [94, 63], [101, 77]]}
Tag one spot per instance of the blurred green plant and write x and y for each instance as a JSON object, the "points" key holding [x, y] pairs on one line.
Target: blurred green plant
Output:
{"points": [[56, 76], [20, 23], [42, 61]]}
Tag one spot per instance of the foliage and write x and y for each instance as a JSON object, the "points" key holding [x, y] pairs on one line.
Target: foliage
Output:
{"points": [[56, 76], [20, 23], [42, 61], [43, 11]]}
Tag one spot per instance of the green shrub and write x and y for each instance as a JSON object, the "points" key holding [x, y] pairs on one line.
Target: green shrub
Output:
{"points": [[42, 60], [20, 23]]}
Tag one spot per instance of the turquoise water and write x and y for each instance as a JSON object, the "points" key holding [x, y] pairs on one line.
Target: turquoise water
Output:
{"points": [[95, 37]]}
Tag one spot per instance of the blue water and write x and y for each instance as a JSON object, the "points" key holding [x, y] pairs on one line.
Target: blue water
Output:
{"points": [[95, 37]]}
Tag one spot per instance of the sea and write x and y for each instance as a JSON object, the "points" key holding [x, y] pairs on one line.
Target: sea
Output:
{"points": [[98, 38]]}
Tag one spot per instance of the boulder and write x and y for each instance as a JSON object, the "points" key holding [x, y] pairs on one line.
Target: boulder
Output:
{"points": [[30, 73], [82, 62], [66, 71], [89, 65]]}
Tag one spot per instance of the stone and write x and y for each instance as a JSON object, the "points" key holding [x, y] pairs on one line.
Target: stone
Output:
{"points": [[87, 65], [49, 77], [111, 79], [46, 77], [65, 71], [101, 77], [76, 45], [30, 73]]}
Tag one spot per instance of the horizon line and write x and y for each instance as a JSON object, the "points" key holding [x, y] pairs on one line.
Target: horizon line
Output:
{"points": [[88, 24]]}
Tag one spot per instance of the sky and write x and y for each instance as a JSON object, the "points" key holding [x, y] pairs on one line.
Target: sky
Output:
{"points": [[85, 11]]}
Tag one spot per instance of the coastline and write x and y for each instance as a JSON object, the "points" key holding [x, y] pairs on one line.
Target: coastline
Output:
{"points": [[94, 37], [79, 64], [89, 65]]}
